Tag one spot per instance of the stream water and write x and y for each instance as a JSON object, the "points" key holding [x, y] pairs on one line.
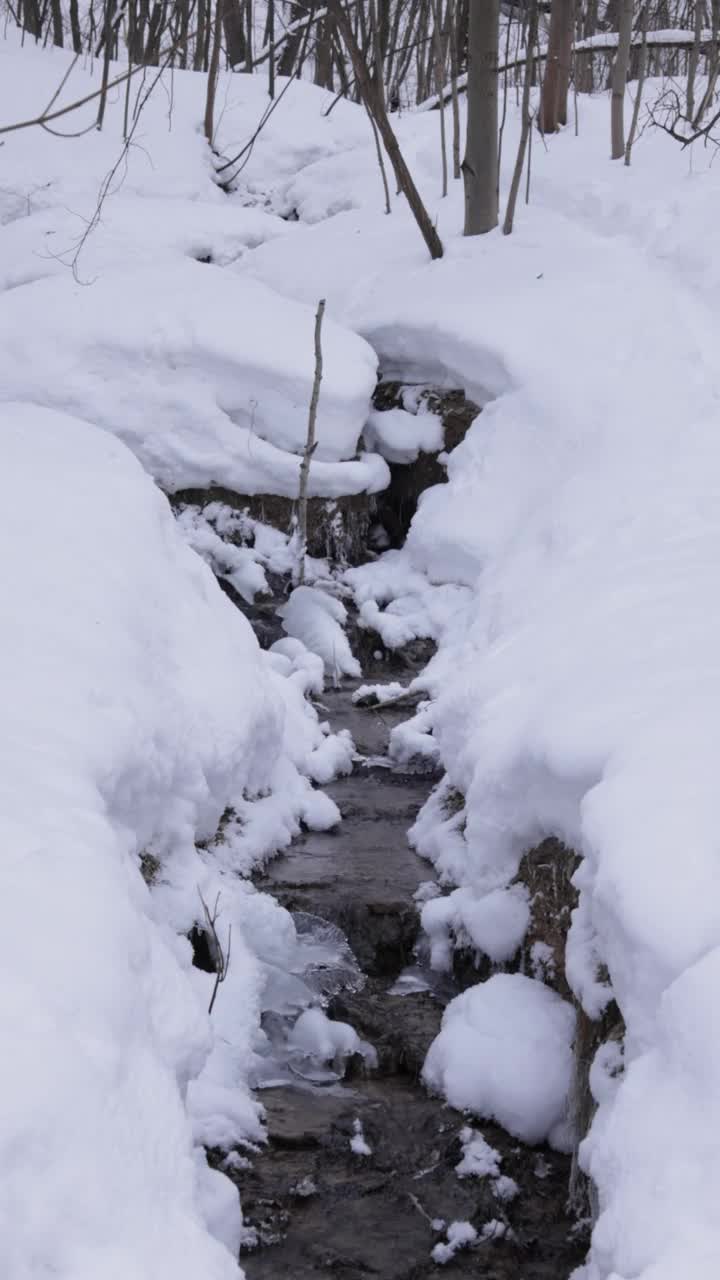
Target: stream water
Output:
{"points": [[359, 1174]]}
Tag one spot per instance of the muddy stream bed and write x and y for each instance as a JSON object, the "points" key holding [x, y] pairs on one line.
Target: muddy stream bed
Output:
{"points": [[316, 1206]]}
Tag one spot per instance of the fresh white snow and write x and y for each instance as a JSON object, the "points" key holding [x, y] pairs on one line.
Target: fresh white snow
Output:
{"points": [[504, 1052], [567, 572]]}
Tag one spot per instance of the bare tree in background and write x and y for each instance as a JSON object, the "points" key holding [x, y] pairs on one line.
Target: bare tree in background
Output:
{"points": [[619, 80], [480, 166], [376, 107], [553, 104]]}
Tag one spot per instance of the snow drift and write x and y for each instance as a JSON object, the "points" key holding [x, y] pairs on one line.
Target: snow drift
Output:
{"points": [[136, 706]]}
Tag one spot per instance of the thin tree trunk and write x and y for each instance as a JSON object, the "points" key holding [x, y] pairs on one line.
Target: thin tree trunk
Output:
{"points": [[480, 166], [619, 81], [694, 59], [75, 26], [310, 444], [439, 86], [381, 162], [714, 62], [107, 52], [271, 42], [553, 103], [452, 19], [642, 66], [377, 109], [525, 129], [213, 71], [234, 28], [57, 22]]}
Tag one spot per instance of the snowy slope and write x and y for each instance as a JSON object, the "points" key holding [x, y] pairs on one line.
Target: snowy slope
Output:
{"points": [[137, 707], [112, 262]]}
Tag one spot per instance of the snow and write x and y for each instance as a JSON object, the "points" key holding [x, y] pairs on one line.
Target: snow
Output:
{"points": [[135, 705], [460, 1235], [317, 1036], [494, 924], [401, 436], [358, 1145], [480, 1160], [567, 573], [203, 372], [504, 1052], [317, 619]]}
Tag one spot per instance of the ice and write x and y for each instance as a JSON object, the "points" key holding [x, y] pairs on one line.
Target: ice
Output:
{"points": [[504, 1052]]}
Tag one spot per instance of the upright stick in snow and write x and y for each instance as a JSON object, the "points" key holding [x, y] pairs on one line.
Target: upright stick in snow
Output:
{"points": [[310, 444]]}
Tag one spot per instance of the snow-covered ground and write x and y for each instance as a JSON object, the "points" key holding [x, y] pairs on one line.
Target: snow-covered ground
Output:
{"points": [[567, 571]]}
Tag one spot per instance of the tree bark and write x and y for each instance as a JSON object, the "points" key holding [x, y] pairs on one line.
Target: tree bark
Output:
{"points": [[480, 166], [213, 71], [553, 104], [619, 81], [233, 21]]}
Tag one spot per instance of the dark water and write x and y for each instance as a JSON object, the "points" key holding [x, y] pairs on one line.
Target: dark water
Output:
{"points": [[319, 1208]]}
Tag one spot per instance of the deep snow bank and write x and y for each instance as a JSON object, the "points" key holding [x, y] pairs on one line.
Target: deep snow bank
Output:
{"points": [[121, 263], [136, 706]]}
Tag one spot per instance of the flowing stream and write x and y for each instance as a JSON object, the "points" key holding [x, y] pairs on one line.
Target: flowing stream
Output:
{"points": [[359, 1175]]}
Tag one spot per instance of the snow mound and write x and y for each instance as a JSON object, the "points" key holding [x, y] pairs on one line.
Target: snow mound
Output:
{"points": [[505, 1052], [208, 381], [135, 705], [317, 619], [494, 923], [401, 436], [317, 1036]]}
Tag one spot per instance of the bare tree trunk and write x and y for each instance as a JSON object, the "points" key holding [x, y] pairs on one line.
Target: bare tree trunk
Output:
{"points": [[107, 53], [213, 71], [271, 43], [377, 109], [75, 26], [694, 59], [292, 44], [439, 86], [480, 166], [234, 28], [57, 22], [553, 104], [526, 121], [714, 63], [381, 162], [642, 65], [310, 445], [452, 20], [619, 81]]}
